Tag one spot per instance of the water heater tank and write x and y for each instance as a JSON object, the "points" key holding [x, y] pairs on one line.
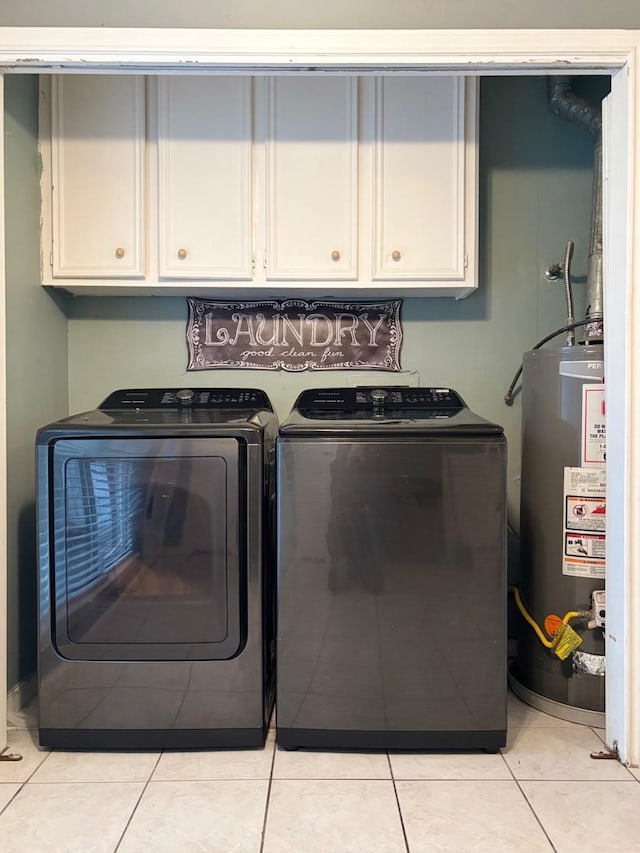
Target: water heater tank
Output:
{"points": [[552, 387]]}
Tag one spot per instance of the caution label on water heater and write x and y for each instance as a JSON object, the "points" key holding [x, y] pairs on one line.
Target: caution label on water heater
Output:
{"points": [[594, 427], [584, 545], [585, 522], [585, 513]]}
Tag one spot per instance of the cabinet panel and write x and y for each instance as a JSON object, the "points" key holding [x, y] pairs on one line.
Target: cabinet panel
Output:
{"points": [[419, 182], [204, 196], [97, 150], [312, 178]]}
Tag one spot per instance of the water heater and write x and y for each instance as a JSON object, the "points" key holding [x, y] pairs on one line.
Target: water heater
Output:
{"points": [[562, 527]]}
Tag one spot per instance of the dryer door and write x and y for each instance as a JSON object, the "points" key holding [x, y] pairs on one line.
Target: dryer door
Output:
{"points": [[147, 563]]}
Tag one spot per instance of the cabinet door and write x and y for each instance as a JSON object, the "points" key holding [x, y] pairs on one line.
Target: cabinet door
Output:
{"points": [[423, 179], [97, 149], [204, 162], [312, 178]]}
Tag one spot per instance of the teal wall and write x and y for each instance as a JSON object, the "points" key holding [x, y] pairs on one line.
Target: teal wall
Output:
{"points": [[37, 388], [535, 194], [330, 14], [535, 189]]}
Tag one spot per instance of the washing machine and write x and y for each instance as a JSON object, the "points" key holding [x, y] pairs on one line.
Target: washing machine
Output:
{"points": [[391, 572], [156, 582]]}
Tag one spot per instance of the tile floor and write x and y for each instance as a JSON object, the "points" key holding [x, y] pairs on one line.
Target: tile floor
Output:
{"points": [[543, 792]]}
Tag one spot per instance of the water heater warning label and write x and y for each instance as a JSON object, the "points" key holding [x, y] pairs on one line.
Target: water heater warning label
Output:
{"points": [[585, 513], [584, 545], [584, 523], [594, 427]]}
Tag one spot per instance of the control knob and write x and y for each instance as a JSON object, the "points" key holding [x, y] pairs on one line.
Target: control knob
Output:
{"points": [[185, 397], [378, 396]]}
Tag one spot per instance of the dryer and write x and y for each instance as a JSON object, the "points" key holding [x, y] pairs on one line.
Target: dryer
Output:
{"points": [[391, 572], [156, 557]]}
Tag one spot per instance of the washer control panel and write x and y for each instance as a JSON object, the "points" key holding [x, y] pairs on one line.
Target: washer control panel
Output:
{"points": [[185, 398], [388, 400]]}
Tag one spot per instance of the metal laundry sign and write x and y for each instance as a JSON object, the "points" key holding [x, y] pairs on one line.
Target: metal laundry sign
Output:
{"points": [[294, 335]]}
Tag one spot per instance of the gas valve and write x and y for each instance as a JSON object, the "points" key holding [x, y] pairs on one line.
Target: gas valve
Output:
{"points": [[598, 609]]}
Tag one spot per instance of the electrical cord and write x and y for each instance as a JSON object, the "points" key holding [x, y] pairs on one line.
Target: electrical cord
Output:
{"points": [[508, 397]]}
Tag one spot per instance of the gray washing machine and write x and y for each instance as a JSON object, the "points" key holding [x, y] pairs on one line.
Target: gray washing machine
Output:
{"points": [[156, 582], [391, 572]]}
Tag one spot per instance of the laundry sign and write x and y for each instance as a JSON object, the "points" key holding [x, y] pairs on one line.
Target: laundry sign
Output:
{"points": [[294, 335]]}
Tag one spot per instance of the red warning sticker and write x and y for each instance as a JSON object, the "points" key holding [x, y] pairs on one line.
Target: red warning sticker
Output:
{"points": [[585, 513], [584, 522]]}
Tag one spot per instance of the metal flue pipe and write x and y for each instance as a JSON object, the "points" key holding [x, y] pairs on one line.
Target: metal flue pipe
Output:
{"points": [[564, 103]]}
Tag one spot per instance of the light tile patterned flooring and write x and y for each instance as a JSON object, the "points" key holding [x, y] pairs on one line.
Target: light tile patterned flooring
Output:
{"points": [[543, 792]]}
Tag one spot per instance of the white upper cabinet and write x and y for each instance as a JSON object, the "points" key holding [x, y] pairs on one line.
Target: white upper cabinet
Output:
{"points": [[204, 173], [281, 186], [97, 176], [312, 178], [419, 187]]}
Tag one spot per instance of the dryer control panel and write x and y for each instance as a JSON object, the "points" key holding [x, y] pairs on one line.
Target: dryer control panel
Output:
{"points": [[379, 400], [183, 398]]}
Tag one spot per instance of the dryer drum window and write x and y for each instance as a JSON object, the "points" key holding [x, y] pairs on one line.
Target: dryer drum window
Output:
{"points": [[146, 557]]}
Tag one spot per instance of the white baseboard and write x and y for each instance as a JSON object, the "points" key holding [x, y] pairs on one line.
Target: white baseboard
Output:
{"points": [[21, 694]]}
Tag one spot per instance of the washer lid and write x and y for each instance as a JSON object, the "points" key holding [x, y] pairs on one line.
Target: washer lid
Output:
{"points": [[382, 410]]}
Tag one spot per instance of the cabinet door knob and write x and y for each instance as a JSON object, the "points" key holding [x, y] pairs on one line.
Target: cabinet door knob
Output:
{"points": [[396, 255], [335, 255], [119, 252], [182, 254]]}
